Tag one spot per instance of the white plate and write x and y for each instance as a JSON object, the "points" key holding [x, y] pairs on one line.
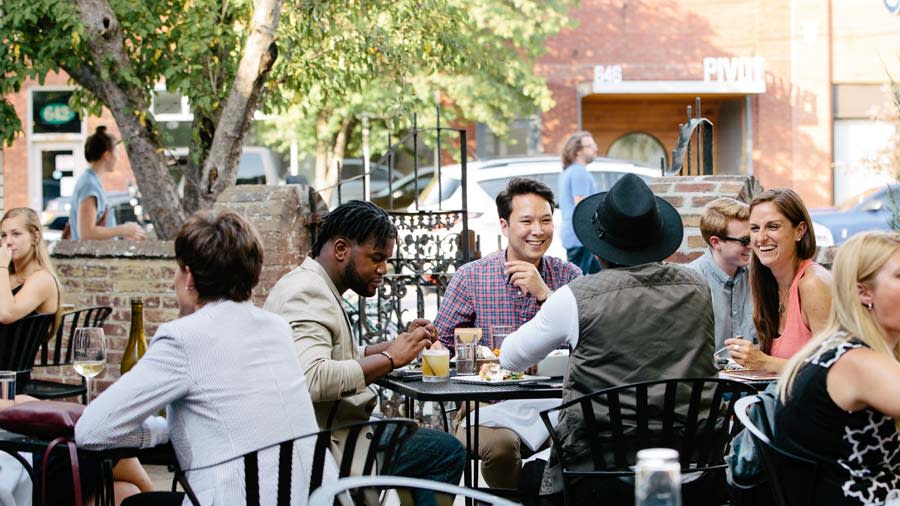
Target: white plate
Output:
{"points": [[478, 380]]}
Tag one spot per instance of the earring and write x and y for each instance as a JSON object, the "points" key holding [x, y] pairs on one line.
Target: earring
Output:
{"points": [[869, 306]]}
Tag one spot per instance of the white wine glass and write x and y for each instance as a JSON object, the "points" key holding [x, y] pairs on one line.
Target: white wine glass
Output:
{"points": [[89, 354]]}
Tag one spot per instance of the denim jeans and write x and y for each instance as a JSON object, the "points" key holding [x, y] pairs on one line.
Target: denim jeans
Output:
{"points": [[582, 257], [430, 455]]}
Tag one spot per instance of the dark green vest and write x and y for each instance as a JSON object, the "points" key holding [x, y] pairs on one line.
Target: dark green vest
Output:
{"points": [[648, 322]]}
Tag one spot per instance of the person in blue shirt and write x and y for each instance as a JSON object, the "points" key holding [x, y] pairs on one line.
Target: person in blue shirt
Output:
{"points": [[90, 216], [575, 184]]}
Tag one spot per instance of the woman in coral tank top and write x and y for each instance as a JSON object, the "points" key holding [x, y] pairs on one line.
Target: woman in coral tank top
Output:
{"points": [[791, 293]]}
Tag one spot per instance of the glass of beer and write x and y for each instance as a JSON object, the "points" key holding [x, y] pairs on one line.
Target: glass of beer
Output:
{"points": [[435, 365]]}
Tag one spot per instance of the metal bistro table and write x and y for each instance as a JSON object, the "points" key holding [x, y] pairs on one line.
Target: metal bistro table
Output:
{"points": [[451, 391], [13, 443]]}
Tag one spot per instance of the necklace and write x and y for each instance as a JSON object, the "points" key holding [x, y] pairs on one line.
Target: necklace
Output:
{"points": [[781, 303]]}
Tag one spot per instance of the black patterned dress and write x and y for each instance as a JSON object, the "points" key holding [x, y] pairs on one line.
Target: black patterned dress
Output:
{"points": [[859, 451]]}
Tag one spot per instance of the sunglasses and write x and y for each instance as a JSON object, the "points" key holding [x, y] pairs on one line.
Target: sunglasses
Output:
{"points": [[745, 241]]}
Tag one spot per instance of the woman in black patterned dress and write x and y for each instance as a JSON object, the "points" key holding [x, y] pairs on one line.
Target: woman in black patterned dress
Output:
{"points": [[839, 399]]}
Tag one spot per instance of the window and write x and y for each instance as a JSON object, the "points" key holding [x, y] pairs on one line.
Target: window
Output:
{"points": [[638, 147], [523, 138]]}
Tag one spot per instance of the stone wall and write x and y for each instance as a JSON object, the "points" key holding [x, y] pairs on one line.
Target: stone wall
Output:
{"points": [[110, 273]]}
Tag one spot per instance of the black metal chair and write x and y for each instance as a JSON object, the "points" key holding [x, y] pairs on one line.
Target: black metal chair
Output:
{"points": [[799, 492], [691, 415], [19, 342], [336, 491], [393, 432], [57, 352]]}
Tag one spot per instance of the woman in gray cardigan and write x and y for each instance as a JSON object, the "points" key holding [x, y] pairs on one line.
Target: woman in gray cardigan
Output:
{"points": [[226, 371]]}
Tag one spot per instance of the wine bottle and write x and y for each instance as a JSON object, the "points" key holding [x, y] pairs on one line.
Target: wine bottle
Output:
{"points": [[137, 343]]}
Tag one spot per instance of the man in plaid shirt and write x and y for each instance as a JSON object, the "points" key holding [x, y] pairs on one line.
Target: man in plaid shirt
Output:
{"points": [[506, 288]]}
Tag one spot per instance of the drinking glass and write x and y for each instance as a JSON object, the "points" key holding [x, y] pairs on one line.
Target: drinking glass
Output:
{"points": [[466, 343], [499, 333], [89, 354], [8, 385], [435, 365]]}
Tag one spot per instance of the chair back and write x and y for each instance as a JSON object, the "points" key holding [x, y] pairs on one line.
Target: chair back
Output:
{"points": [[691, 415], [19, 342], [387, 436], [88, 317], [335, 492], [753, 413]]}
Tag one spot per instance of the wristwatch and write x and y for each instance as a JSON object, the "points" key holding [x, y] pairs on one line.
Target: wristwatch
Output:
{"points": [[389, 357], [540, 302]]}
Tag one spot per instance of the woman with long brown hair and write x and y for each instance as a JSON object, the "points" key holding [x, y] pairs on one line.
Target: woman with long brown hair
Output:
{"points": [[791, 293]]}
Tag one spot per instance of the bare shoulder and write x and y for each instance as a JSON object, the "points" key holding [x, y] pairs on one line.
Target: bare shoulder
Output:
{"points": [[860, 364], [43, 280], [816, 279]]}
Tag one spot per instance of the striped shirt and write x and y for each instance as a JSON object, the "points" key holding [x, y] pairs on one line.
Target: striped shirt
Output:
{"points": [[479, 295]]}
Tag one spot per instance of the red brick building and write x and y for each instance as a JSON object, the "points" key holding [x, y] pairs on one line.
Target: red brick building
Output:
{"points": [[793, 86]]}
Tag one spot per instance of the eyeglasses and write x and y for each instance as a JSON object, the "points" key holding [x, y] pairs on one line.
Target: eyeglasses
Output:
{"points": [[745, 241]]}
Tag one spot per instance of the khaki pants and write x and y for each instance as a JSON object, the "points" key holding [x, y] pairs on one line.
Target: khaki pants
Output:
{"points": [[499, 449]]}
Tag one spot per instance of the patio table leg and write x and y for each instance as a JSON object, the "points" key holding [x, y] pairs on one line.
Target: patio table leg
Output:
{"points": [[477, 448], [467, 470]]}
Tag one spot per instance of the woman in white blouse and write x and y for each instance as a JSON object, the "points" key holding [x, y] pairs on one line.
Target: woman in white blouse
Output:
{"points": [[226, 371]]}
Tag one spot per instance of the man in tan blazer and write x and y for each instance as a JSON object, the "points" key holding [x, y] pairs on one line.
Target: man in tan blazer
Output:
{"points": [[350, 253]]}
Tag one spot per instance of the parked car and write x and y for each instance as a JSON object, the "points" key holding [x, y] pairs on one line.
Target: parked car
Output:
{"points": [[55, 215], [258, 165], [351, 185], [870, 210], [486, 179]]}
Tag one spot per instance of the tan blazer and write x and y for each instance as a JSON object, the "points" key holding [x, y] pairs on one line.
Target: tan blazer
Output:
{"points": [[309, 301]]}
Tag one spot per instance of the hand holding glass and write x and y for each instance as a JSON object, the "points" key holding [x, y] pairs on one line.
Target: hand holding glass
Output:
{"points": [[89, 354]]}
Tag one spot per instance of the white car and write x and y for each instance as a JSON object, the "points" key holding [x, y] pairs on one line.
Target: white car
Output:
{"points": [[486, 179]]}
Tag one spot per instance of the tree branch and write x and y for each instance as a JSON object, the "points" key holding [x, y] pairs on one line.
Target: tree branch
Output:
{"points": [[258, 57]]}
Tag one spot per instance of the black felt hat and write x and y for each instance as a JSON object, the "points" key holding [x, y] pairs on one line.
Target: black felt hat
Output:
{"points": [[628, 225]]}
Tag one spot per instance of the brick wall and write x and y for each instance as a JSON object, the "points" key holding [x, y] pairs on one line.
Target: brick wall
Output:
{"points": [[689, 194], [110, 273]]}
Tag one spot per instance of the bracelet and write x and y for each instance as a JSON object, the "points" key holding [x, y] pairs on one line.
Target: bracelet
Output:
{"points": [[389, 357]]}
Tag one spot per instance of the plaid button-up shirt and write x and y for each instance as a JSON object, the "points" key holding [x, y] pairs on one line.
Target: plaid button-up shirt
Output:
{"points": [[479, 295]]}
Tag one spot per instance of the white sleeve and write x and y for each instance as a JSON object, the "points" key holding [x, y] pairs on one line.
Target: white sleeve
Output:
{"points": [[554, 325], [119, 416]]}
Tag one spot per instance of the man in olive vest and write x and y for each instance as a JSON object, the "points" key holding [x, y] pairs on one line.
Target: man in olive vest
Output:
{"points": [[638, 319]]}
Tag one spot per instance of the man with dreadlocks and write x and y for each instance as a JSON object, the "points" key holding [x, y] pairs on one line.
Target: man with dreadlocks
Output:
{"points": [[350, 253]]}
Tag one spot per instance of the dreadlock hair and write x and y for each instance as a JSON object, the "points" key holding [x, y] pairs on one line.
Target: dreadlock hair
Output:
{"points": [[356, 221]]}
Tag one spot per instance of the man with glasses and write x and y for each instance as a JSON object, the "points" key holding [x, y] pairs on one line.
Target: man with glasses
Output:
{"points": [[725, 227]]}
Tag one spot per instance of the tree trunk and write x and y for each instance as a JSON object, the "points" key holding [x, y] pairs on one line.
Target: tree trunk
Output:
{"points": [[129, 108], [219, 168]]}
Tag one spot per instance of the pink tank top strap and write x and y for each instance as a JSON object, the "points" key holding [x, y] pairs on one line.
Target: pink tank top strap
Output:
{"points": [[796, 333]]}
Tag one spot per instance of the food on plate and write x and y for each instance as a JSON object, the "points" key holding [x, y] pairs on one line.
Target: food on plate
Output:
{"points": [[493, 372]]}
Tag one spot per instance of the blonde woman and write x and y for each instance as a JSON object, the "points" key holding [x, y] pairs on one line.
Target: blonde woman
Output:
{"points": [[839, 397], [28, 283]]}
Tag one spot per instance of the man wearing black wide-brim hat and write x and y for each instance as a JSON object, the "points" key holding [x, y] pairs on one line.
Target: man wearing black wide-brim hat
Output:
{"points": [[639, 319]]}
